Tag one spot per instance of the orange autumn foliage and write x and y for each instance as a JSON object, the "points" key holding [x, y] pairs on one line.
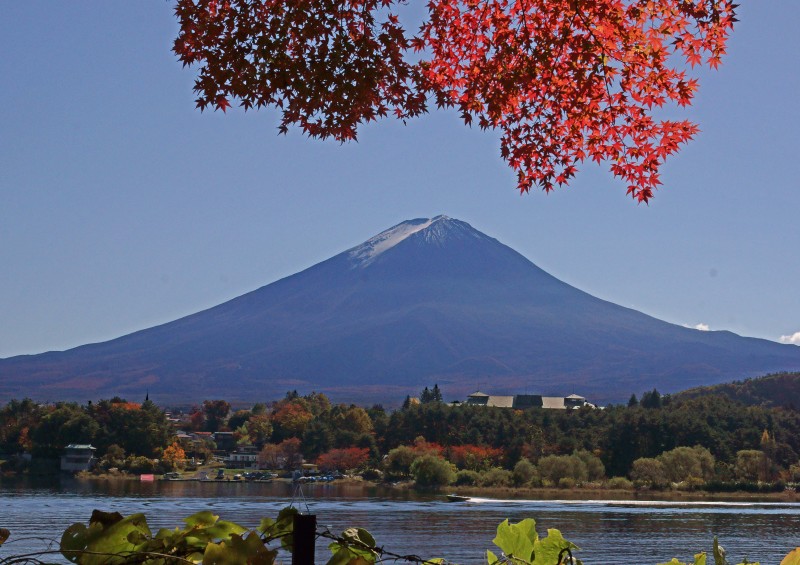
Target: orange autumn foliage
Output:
{"points": [[561, 81]]}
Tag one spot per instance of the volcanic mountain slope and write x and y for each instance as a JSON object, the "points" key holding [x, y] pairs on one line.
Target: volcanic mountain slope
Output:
{"points": [[427, 301]]}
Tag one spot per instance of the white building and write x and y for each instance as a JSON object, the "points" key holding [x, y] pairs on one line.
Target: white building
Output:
{"points": [[77, 457]]}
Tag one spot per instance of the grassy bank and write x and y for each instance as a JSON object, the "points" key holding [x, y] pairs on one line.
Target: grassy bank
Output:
{"points": [[579, 493]]}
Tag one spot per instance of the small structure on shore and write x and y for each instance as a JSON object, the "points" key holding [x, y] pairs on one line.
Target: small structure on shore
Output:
{"points": [[77, 457]]}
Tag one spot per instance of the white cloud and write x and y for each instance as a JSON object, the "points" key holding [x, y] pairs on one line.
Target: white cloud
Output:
{"points": [[702, 327], [794, 338]]}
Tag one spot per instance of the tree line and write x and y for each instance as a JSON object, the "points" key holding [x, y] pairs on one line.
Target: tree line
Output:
{"points": [[707, 441]]}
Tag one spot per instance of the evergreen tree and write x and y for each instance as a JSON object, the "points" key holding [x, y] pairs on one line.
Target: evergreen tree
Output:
{"points": [[426, 397], [651, 399]]}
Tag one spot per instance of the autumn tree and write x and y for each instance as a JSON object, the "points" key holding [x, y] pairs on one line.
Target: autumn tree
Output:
{"points": [[259, 428], [354, 419], [290, 418], [215, 412], [561, 81], [16, 420], [343, 459], [474, 457], [270, 457], [174, 456], [284, 455]]}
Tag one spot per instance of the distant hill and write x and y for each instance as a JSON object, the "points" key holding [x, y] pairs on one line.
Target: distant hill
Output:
{"points": [[780, 389], [426, 301]]}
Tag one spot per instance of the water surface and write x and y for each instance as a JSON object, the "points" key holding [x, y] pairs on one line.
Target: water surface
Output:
{"points": [[634, 532]]}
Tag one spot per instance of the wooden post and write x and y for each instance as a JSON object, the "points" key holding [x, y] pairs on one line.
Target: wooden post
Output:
{"points": [[305, 533]]}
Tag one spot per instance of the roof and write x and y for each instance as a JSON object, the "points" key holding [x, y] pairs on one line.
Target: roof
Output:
{"points": [[576, 397], [501, 401], [477, 393], [553, 402], [80, 446]]}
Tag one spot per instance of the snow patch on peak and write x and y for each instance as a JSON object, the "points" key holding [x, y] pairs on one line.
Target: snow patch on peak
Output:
{"points": [[365, 253], [434, 231]]}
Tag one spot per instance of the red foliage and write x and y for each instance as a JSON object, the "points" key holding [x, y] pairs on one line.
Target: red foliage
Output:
{"points": [[197, 420], [126, 405], [562, 80], [285, 455], [423, 447], [292, 417], [474, 457], [343, 459]]}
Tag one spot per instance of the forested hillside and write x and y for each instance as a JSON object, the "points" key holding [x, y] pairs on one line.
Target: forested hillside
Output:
{"points": [[779, 389]]}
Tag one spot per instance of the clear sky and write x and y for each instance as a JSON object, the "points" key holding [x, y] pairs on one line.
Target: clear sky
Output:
{"points": [[122, 207]]}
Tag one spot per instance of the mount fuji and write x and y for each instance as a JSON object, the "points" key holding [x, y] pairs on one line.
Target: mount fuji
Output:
{"points": [[426, 301]]}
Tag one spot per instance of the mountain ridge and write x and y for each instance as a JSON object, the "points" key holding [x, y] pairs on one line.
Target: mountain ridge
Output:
{"points": [[428, 300]]}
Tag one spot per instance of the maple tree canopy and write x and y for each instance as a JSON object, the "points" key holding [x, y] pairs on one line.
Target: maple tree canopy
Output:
{"points": [[561, 80]]}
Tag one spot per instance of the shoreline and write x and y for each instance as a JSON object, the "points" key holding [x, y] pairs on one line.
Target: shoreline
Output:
{"points": [[507, 493], [586, 494]]}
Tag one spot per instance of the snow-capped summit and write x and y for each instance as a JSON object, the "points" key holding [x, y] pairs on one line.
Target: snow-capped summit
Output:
{"points": [[436, 230], [365, 253]]}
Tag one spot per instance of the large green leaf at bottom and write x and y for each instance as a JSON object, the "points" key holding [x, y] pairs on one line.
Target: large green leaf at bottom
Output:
{"points": [[516, 540], [793, 558], [239, 551], [548, 549]]}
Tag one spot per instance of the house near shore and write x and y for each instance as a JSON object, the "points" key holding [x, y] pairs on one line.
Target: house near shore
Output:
{"points": [[525, 401], [77, 457], [244, 457]]}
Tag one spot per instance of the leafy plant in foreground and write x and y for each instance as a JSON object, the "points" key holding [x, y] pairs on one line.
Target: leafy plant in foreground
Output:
{"points": [[112, 539]]}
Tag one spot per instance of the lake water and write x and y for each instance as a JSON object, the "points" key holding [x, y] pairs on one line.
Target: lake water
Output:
{"points": [[608, 532]]}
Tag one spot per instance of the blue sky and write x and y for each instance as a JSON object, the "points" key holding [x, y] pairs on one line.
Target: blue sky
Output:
{"points": [[122, 207]]}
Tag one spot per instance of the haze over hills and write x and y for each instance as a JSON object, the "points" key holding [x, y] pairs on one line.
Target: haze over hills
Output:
{"points": [[427, 301]]}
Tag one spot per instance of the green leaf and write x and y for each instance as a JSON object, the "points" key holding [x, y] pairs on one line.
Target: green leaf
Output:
{"points": [[700, 558], [266, 525], [516, 540], [203, 518], [287, 514], [238, 550], [346, 556], [548, 549], [719, 553], [365, 537], [356, 543], [73, 540], [105, 519], [673, 561], [281, 528], [223, 529], [491, 558], [113, 540], [793, 558]]}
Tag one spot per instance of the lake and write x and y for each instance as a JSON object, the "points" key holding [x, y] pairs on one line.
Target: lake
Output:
{"points": [[608, 532]]}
